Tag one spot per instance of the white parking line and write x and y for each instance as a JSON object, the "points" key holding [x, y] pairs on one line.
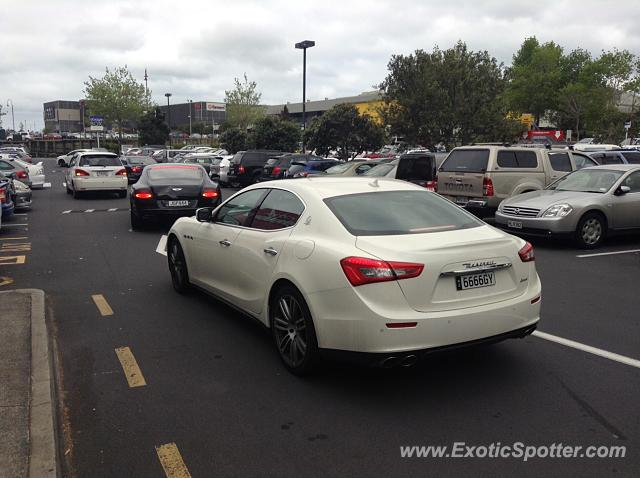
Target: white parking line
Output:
{"points": [[588, 349], [19, 214], [46, 185], [89, 210], [14, 225], [162, 245], [66, 212], [631, 251], [112, 209]]}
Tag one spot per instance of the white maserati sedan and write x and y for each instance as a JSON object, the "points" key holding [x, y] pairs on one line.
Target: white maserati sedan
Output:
{"points": [[380, 267]]}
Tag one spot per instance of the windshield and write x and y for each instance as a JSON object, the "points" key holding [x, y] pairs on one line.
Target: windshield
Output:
{"points": [[380, 170], [588, 181], [399, 212], [97, 160], [339, 168], [471, 160]]}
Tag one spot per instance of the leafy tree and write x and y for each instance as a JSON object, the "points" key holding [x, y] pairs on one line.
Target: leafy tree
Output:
{"points": [[452, 96], [284, 114], [152, 128], [343, 129], [275, 133], [243, 104], [117, 96], [233, 140]]}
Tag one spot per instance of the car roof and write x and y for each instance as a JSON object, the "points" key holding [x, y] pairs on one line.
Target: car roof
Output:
{"points": [[96, 153], [615, 167]]}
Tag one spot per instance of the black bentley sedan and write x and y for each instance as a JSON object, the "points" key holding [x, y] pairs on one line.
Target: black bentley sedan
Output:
{"points": [[171, 190]]}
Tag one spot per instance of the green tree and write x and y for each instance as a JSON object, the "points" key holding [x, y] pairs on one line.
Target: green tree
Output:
{"points": [[343, 129], [243, 104], [275, 133], [233, 140], [117, 96], [453, 96], [152, 128]]}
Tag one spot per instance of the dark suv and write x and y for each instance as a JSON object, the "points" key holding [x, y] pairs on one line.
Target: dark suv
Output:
{"points": [[277, 167], [246, 166]]}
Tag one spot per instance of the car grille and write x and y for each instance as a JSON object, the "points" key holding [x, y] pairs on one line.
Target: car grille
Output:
{"points": [[520, 211]]}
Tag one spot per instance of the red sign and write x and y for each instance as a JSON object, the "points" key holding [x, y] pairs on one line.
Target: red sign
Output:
{"points": [[555, 134]]}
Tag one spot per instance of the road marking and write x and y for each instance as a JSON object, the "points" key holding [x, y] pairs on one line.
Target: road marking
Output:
{"points": [[162, 245], [582, 256], [112, 209], [14, 225], [10, 260], [89, 210], [588, 349], [66, 212], [12, 238], [130, 367], [20, 214], [5, 281], [102, 305], [172, 462], [46, 185], [16, 247]]}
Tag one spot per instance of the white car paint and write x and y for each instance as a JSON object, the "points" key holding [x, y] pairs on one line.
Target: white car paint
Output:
{"points": [[224, 168], [357, 318], [95, 178], [36, 173]]}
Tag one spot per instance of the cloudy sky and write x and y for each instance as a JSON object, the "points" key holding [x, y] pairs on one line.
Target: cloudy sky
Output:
{"points": [[194, 49]]}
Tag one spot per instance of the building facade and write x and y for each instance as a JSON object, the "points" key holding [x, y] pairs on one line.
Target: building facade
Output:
{"points": [[62, 116], [211, 114]]}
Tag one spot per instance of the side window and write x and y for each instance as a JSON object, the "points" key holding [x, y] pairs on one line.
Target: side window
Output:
{"points": [[633, 181], [632, 157], [362, 169], [253, 159], [507, 159], [280, 209], [583, 161], [240, 209], [560, 162], [612, 158], [5, 166], [527, 159]]}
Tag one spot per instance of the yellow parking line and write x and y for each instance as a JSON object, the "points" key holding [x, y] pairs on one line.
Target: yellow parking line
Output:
{"points": [[172, 462], [6, 260], [102, 304], [12, 238], [5, 281], [130, 367]]}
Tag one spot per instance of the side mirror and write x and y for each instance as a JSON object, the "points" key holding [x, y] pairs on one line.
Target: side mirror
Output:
{"points": [[622, 190], [203, 214]]}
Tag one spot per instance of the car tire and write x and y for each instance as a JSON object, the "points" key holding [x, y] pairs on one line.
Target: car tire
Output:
{"points": [[67, 188], [61, 163], [591, 230], [136, 222], [76, 194], [292, 330], [178, 267]]}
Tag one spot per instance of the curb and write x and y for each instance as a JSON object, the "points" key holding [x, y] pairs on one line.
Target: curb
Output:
{"points": [[42, 441]]}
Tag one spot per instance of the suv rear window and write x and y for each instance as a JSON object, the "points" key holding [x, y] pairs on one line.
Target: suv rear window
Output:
{"points": [[471, 160], [98, 160], [398, 213], [518, 159], [419, 167]]}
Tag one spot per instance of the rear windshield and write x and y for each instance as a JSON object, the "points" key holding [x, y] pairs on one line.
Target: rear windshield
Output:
{"points": [[416, 168], [96, 160], [175, 172], [472, 160], [140, 160], [399, 212]]}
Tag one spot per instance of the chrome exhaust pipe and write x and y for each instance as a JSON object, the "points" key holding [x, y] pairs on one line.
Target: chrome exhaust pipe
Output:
{"points": [[389, 362], [409, 361]]}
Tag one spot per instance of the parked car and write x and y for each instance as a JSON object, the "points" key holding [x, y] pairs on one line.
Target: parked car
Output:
{"points": [[64, 159], [171, 190], [620, 156], [587, 204], [96, 171], [134, 166], [223, 169], [355, 167], [277, 166], [586, 147], [480, 177], [246, 166], [21, 152], [418, 168], [302, 169], [166, 155], [203, 159], [11, 168], [324, 270], [23, 195], [36, 173], [7, 193]]}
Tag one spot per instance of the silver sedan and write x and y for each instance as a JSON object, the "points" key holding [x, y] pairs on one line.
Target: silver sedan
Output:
{"points": [[587, 204]]}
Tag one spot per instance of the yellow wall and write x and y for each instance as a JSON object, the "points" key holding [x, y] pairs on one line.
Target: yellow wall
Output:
{"points": [[370, 108]]}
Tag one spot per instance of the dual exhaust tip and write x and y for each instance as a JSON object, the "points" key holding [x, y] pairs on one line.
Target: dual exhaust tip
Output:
{"points": [[403, 361]]}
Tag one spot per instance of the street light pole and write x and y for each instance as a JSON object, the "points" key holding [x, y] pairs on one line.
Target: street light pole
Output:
{"points": [[13, 120], [303, 45], [168, 95], [190, 103]]}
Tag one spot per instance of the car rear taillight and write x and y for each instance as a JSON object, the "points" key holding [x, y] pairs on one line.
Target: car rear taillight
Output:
{"points": [[22, 175], [209, 193], [3, 195], [487, 187], [136, 169], [276, 171], [80, 172], [362, 270], [121, 172], [143, 194], [241, 170], [526, 253]]}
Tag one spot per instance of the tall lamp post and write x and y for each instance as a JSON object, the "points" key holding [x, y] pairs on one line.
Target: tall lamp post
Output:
{"points": [[303, 45], [168, 95], [13, 120], [190, 103]]}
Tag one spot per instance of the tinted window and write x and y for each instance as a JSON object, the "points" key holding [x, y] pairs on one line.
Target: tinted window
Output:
{"points": [[175, 172], [239, 210], [421, 168], [320, 165], [280, 209], [254, 159], [237, 159], [517, 159], [5, 166], [632, 157], [398, 212], [560, 162], [473, 160], [364, 168], [99, 161], [612, 158]]}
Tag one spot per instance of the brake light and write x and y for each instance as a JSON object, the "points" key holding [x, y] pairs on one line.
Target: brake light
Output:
{"points": [[276, 171], [121, 172], [241, 170], [210, 193], [3, 195], [136, 169], [526, 253], [487, 187], [361, 270], [21, 174], [143, 195], [80, 172]]}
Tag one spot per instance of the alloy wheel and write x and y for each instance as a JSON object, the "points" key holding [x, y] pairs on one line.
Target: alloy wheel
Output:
{"points": [[178, 267], [591, 231], [290, 329]]}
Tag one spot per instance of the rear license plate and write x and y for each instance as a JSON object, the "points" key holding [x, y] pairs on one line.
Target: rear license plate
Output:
{"points": [[461, 199], [474, 281], [102, 173], [177, 203], [514, 224]]}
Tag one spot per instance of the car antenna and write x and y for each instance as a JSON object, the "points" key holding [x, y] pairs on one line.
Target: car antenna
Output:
{"points": [[374, 183]]}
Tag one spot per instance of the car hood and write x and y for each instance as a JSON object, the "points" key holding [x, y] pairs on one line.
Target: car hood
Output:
{"points": [[546, 198]]}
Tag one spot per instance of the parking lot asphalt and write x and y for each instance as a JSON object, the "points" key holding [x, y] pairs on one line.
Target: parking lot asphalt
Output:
{"points": [[150, 381]]}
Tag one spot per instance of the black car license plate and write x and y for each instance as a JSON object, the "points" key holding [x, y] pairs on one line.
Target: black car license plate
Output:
{"points": [[474, 281]]}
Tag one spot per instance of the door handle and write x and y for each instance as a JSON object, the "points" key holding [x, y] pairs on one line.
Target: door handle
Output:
{"points": [[271, 252], [224, 243]]}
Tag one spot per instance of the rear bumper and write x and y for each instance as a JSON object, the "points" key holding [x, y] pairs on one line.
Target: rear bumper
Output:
{"points": [[100, 184], [23, 201], [37, 181], [7, 209]]}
